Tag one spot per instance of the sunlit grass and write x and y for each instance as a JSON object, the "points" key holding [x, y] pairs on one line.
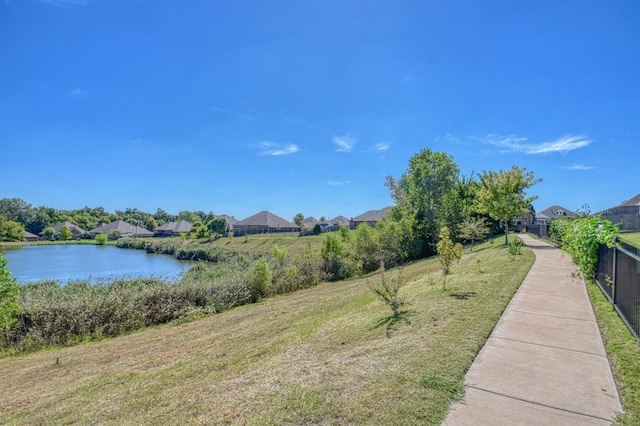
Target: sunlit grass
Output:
{"points": [[623, 350], [314, 356], [632, 238]]}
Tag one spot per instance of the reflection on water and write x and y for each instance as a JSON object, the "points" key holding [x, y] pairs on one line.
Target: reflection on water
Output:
{"points": [[79, 262]]}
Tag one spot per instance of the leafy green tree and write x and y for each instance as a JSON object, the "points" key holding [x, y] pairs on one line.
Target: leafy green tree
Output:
{"points": [[65, 233], [17, 210], [317, 229], [49, 233], [217, 225], [395, 240], [101, 239], [199, 230], [188, 216], [11, 230], [43, 218], [114, 234], [150, 223], [260, 279], [163, 217], [366, 247], [298, 218], [448, 253], [424, 194], [337, 263], [502, 195], [9, 293], [473, 229]]}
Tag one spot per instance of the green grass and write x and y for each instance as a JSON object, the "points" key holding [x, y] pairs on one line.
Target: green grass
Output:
{"points": [[623, 350], [632, 238], [311, 357], [264, 243]]}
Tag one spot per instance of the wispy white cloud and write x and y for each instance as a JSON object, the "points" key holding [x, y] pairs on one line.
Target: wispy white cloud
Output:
{"points": [[449, 138], [77, 93], [382, 146], [232, 113], [518, 144], [338, 182], [579, 167], [345, 143], [271, 148]]}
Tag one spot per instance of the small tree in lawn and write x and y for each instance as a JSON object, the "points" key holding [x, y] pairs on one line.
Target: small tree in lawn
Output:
{"points": [[448, 252], [387, 290], [65, 233], [502, 196], [473, 229]]}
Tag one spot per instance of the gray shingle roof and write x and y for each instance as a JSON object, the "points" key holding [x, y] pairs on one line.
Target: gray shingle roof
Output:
{"points": [[339, 220], [557, 211], [71, 227], [179, 227], [372, 215], [265, 218], [309, 222], [635, 201], [127, 229]]}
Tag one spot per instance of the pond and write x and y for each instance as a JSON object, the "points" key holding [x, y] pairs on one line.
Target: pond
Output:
{"points": [[80, 261]]}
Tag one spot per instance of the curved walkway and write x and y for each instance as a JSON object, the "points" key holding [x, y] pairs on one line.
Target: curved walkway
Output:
{"points": [[544, 363]]}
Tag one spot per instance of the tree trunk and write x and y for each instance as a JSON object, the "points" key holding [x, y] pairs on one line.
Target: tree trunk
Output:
{"points": [[506, 232]]}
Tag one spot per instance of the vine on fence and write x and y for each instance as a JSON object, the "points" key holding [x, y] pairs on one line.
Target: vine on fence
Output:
{"points": [[581, 239]]}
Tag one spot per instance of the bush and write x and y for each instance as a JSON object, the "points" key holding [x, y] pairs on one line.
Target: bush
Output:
{"points": [[515, 246], [9, 292], [582, 237], [101, 239]]}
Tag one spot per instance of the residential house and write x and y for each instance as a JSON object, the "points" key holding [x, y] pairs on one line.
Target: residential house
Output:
{"points": [[370, 218], [626, 215], [173, 229], [554, 212], [262, 223], [125, 229], [76, 231], [309, 222], [230, 221], [334, 224], [28, 236]]}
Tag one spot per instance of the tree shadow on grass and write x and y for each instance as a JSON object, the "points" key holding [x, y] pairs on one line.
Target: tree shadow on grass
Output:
{"points": [[463, 295], [393, 321]]}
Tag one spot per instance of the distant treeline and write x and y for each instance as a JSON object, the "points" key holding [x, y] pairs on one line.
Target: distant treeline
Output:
{"points": [[36, 219]]}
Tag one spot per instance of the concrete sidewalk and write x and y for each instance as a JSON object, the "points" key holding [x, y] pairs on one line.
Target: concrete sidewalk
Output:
{"points": [[544, 363]]}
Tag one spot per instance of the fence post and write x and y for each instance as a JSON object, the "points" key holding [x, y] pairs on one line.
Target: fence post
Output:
{"points": [[613, 283]]}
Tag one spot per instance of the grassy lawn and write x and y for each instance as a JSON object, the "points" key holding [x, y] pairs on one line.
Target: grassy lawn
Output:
{"points": [[264, 243], [624, 355], [632, 238], [311, 357]]}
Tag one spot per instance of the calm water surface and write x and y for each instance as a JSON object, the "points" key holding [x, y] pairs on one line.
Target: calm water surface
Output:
{"points": [[79, 262]]}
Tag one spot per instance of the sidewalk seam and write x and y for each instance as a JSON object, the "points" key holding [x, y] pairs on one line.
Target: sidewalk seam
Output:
{"points": [[552, 316], [538, 404], [551, 347]]}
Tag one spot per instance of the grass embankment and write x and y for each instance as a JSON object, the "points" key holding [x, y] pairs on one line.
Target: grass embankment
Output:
{"points": [[314, 356], [623, 350], [253, 244]]}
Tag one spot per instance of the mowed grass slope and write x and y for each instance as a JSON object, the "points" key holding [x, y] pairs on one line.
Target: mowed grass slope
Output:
{"points": [[264, 243], [312, 357]]}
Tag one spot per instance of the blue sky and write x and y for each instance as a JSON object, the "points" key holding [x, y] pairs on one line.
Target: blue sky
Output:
{"points": [[306, 106]]}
